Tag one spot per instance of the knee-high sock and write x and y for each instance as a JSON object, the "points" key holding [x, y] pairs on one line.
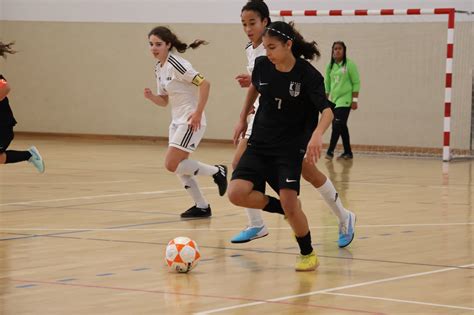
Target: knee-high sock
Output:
{"points": [[330, 195], [192, 167], [192, 187], [255, 217]]}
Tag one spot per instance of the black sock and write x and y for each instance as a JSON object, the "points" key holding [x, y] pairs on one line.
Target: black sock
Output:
{"points": [[305, 244], [274, 206], [17, 156]]}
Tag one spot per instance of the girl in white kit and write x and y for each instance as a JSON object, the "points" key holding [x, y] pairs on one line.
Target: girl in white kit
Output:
{"points": [[187, 91]]}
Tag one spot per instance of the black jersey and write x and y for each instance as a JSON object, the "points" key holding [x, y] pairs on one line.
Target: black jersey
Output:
{"points": [[290, 103], [6, 114]]}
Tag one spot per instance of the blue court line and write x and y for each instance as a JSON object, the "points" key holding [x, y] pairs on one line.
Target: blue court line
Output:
{"points": [[67, 280], [140, 269], [105, 274], [77, 207], [283, 253], [109, 228], [26, 286]]}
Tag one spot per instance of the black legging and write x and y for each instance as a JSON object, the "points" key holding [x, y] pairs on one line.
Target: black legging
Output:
{"points": [[339, 128]]}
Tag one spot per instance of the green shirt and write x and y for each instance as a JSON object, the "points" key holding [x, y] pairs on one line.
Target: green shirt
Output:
{"points": [[341, 81]]}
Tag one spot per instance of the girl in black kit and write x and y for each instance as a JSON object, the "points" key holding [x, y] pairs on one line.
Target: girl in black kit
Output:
{"points": [[285, 131], [7, 122]]}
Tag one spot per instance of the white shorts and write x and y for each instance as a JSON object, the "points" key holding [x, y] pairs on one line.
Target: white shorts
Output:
{"points": [[182, 137], [250, 119]]}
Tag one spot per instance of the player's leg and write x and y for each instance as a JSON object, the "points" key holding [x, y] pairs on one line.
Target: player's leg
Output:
{"points": [[247, 187], [184, 139], [327, 190], [346, 141], [256, 227], [289, 183], [13, 156], [335, 133]]}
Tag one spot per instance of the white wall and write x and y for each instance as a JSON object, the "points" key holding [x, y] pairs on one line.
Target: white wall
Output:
{"points": [[88, 77], [194, 11]]}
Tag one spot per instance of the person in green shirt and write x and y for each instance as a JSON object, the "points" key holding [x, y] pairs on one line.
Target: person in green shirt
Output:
{"points": [[342, 85]]}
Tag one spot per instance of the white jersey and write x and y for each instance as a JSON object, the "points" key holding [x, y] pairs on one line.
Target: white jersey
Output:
{"points": [[252, 54], [177, 79]]}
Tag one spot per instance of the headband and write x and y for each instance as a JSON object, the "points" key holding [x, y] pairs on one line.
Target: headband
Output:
{"points": [[281, 33]]}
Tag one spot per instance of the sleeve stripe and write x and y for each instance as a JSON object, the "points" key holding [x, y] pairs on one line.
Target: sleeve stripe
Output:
{"points": [[248, 45], [177, 65]]}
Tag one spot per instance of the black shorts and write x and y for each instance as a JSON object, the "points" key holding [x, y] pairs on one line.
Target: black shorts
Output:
{"points": [[6, 137], [278, 171]]}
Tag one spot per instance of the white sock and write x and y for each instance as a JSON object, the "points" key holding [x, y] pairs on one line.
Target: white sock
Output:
{"points": [[255, 217], [192, 167], [192, 187], [330, 195]]}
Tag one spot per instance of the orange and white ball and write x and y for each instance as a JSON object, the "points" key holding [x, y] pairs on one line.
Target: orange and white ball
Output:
{"points": [[182, 254]]}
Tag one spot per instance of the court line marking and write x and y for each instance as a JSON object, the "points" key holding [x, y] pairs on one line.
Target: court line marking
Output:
{"points": [[180, 190], [224, 229], [69, 183], [157, 192], [247, 250], [401, 301], [35, 282], [283, 298]]}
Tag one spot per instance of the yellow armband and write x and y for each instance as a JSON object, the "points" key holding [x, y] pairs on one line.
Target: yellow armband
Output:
{"points": [[198, 79]]}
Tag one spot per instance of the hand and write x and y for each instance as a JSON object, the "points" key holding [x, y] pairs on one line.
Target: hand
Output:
{"points": [[354, 105], [244, 80], [195, 121], [314, 149], [239, 131], [147, 93]]}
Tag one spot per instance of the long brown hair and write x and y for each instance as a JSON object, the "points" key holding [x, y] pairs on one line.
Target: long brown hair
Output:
{"points": [[169, 37], [6, 49]]}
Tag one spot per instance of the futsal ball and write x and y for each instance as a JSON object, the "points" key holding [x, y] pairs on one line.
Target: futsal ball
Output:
{"points": [[182, 254]]}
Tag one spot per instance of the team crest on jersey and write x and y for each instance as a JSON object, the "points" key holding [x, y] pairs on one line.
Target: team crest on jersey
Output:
{"points": [[295, 88]]}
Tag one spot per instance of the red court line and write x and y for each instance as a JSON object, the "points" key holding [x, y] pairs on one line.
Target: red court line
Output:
{"points": [[194, 295]]}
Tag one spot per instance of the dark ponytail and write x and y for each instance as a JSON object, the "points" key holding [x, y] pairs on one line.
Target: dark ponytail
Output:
{"points": [[6, 49], [286, 31], [259, 7], [170, 38]]}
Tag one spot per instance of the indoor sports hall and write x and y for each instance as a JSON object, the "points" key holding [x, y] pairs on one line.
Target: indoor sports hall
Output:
{"points": [[89, 235]]}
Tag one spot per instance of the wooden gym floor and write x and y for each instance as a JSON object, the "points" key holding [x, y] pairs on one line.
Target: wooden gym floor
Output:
{"points": [[88, 237]]}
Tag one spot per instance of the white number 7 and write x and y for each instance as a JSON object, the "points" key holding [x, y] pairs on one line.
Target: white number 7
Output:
{"points": [[279, 102]]}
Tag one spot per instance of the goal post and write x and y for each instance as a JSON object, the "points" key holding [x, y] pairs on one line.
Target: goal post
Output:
{"points": [[448, 12]]}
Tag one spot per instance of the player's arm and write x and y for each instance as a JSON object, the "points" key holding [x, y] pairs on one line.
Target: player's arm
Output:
{"points": [[355, 80], [315, 144], [241, 126], [4, 89], [320, 103], [327, 81], [160, 100], [204, 87]]}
